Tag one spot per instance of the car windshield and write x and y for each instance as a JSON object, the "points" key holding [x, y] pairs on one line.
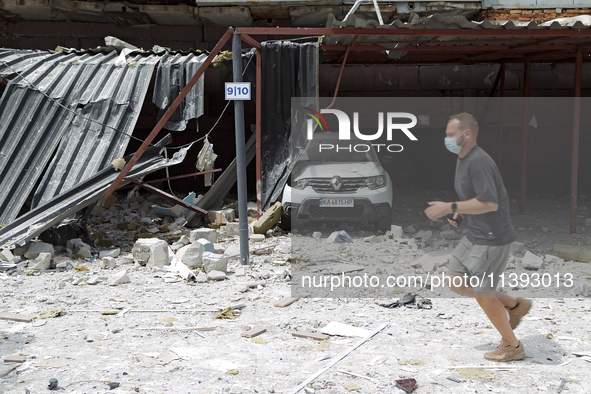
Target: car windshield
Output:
{"points": [[351, 151]]}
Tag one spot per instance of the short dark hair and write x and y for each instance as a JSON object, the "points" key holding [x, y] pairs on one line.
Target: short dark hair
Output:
{"points": [[467, 121]]}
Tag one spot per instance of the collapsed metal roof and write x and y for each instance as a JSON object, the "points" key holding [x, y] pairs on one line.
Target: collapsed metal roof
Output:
{"points": [[82, 195], [86, 102], [448, 38]]}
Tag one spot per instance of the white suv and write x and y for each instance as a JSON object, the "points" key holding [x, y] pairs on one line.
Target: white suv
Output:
{"points": [[338, 185]]}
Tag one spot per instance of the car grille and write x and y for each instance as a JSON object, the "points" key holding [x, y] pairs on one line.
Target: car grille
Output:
{"points": [[333, 212], [350, 185]]}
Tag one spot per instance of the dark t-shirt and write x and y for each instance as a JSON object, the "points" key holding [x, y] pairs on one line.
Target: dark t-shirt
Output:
{"points": [[477, 176]]}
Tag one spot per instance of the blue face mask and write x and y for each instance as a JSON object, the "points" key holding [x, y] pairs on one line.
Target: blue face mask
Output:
{"points": [[452, 144]]}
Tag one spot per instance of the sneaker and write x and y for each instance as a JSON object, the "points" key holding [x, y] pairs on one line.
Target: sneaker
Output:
{"points": [[516, 314], [505, 352]]}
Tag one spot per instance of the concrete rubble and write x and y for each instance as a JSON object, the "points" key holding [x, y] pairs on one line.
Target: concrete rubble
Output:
{"points": [[140, 313]]}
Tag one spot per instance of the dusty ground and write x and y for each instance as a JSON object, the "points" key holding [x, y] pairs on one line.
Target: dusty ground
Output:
{"points": [[131, 348]]}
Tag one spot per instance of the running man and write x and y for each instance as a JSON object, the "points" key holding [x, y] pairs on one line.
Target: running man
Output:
{"points": [[485, 248]]}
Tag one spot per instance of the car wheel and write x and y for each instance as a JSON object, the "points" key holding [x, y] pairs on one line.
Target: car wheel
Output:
{"points": [[285, 223], [385, 222]]}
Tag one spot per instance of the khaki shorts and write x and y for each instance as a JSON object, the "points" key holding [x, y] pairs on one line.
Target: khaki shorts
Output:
{"points": [[482, 264]]}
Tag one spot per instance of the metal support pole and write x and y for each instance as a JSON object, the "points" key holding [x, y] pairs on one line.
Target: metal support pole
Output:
{"points": [[240, 150], [259, 100], [574, 172], [501, 116], [524, 134]]}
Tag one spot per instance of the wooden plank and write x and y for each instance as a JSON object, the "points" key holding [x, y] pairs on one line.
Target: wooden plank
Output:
{"points": [[253, 332], [17, 317], [286, 302], [313, 335], [15, 358]]}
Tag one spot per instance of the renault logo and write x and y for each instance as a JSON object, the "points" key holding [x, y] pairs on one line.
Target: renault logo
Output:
{"points": [[336, 182]]}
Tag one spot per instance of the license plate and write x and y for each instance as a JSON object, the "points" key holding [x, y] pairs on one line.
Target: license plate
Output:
{"points": [[336, 202]]}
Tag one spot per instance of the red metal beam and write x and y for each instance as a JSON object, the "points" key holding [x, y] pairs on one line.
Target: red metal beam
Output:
{"points": [[169, 197], [168, 113], [182, 176], [336, 91], [574, 172], [250, 41], [304, 31], [259, 100], [501, 117], [524, 134]]}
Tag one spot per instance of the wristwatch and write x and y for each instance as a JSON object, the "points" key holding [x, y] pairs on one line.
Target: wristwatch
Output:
{"points": [[454, 207]]}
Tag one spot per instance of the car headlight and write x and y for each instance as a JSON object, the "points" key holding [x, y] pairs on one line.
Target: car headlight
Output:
{"points": [[300, 184], [375, 182]]}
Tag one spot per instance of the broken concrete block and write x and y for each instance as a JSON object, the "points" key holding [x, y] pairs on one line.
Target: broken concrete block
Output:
{"points": [[218, 248], [316, 235], [214, 262], [252, 209], [201, 278], [108, 262], [118, 278], [193, 255], [216, 275], [257, 237], [268, 219], [94, 280], [151, 252], [221, 216], [232, 229], [422, 234], [206, 233], [6, 255], [396, 231], [338, 237], [84, 252], [208, 246], [110, 253], [531, 261], [181, 252], [517, 247], [450, 234], [372, 240], [573, 252], [35, 248], [42, 262], [125, 260], [581, 290], [553, 259], [409, 229]]}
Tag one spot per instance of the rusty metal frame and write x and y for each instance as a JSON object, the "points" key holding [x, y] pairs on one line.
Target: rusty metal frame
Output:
{"points": [[167, 196]]}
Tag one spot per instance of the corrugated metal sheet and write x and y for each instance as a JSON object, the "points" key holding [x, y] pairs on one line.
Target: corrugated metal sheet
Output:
{"points": [[173, 74], [60, 207], [81, 101], [32, 121]]}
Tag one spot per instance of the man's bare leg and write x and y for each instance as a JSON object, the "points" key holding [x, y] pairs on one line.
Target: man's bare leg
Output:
{"points": [[493, 303]]}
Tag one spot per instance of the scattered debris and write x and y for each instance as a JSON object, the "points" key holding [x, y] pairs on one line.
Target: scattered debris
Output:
{"points": [[406, 385], [15, 358], [268, 219], [285, 302], [344, 330], [17, 317], [312, 335], [338, 237], [52, 313], [53, 384], [409, 300], [253, 332], [227, 313]]}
